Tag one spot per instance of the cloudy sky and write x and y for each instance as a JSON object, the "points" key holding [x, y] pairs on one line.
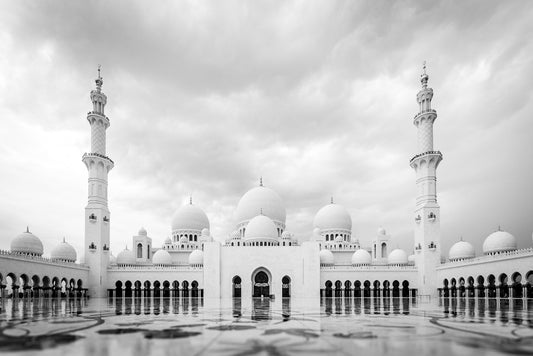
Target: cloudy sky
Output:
{"points": [[315, 96]]}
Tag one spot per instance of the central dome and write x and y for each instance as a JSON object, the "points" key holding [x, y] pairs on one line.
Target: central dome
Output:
{"points": [[261, 227], [260, 200], [333, 217], [499, 241], [190, 217], [27, 243]]}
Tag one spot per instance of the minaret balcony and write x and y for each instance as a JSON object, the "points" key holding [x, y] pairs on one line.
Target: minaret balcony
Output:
{"points": [[93, 154], [424, 112], [427, 153]]}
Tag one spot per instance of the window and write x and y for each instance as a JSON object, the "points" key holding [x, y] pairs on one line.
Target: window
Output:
{"points": [[139, 250]]}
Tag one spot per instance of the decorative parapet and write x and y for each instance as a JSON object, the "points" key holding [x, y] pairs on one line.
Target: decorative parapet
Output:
{"points": [[424, 112], [148, 268], [408, 267], [44, 260], [524, 252]]}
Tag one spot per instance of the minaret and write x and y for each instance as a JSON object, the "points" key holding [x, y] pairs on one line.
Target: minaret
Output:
{"points": [[427, 210], [97, 216]]}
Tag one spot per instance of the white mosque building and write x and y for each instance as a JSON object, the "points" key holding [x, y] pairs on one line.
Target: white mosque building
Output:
{"points": [[260, 258]]}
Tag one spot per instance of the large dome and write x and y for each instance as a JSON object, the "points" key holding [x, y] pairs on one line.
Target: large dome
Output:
{"points": [[499, 241], [260, 200], [27, 243], [64, 252], [126, 257], [161, 257], [260, 227], [196, 257], [326, 257], [333, 217], [190, 217], [461, 250], [397, 257], [361, 257]]}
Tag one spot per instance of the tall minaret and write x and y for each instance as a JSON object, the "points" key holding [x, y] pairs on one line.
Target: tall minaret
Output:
{"points": [[427, 210], [97, 216]]}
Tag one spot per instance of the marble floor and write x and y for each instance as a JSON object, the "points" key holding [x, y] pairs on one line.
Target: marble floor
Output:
{"points": [[338, 326]]}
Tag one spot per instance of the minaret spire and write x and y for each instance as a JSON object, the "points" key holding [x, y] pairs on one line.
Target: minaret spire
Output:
{"points": [[97, 214], [427, 210]]}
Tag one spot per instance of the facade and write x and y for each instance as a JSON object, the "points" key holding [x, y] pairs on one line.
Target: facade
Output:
{"points": [[260, 258]]}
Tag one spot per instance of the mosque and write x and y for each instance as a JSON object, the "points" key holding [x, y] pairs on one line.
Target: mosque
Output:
{"points": [[260, 258]]}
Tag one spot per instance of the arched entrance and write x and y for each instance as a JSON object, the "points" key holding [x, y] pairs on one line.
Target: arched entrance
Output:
{"points": [[236, 287], [286, 287], [261, 282]]}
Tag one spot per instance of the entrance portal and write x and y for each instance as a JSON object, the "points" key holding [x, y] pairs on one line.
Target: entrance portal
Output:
{"points": [[261, 285]]}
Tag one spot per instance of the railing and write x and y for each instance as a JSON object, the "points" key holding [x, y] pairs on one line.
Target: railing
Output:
{"points": [[492, 257], [97, 113], [425, 153], [26, 257], [424, 111], [92, 154], [155, 268]]}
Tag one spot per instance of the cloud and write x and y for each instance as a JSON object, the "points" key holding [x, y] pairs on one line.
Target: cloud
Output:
{"points": [[318, 98]]}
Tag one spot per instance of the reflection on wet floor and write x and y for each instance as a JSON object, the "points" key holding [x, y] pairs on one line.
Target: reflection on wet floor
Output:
{"points": [[284, 326]]}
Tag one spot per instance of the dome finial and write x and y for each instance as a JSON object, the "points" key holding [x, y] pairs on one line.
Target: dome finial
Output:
{"points": [[499, 228], [461, 238], [261, 181], [190, 199], [27, 228], [332, 200], [261, 212], [64, 239], [99, 81], [424, 77]]}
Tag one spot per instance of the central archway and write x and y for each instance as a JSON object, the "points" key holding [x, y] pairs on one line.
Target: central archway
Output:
{"points": [[261, 281]]}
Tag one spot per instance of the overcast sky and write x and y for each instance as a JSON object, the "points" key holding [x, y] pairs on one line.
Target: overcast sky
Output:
{"points": [[317, 97]]}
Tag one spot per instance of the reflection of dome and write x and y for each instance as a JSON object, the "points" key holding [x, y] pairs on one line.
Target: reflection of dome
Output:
{"points": [[196, 257], [381, 231], [261, 227], [142, 232], [64, 252], [361, 257], [499, 241], [397, 257], [260, 200], [161, 257], [27, 243], [461, 250], [126, 257], [326, 257], [333, 217], [190, 217]]}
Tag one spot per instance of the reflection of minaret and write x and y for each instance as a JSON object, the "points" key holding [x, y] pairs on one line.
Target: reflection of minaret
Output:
{"points": [[427, 210], [97, 216]]}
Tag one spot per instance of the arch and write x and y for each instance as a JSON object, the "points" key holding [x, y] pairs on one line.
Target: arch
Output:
{"points": [[517, 285], [405, 289], [139, 250], [328, 291], [118, 289], [347, 288], [35, 281], [127, 289], [504, 287], [383, 249], [11, 285], [194, 289], [529, 284], [286, 287], [376, 286], [236, 287], [46, 282], [491, 288], [148, 251], [357, 289], [395, 289], [261, 278], [185, 288], [366, 289]]}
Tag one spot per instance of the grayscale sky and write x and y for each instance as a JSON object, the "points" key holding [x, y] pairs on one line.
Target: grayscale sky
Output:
{"points": [[317, 97]]}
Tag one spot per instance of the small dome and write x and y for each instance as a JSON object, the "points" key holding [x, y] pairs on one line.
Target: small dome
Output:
{"points": [[326, 257], [168, 241], [112, 259], [286, 235], [161, 257], [461, 250], [126, 257], [382, 231], [196, 257], [333, 217], [316, 233], [142, 232], [397, 257], [499, 241], [260, 199], [361, 257], [27, 243], [205, 232], [64, 252], [261, 227], [184, 239], [190, 217], [411, 259]]}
